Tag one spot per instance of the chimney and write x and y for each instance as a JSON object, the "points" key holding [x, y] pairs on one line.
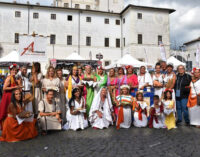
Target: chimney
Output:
{"points": [[37, 3], [14, 1]]}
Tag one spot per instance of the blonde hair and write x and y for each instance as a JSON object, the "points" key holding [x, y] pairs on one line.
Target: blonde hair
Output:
{"points": [[49, 68]]}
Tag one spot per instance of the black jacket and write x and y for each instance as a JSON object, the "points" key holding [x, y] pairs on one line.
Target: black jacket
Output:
{"points": [[181, 83]]}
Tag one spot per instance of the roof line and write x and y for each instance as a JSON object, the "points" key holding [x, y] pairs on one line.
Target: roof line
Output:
{"points": [[192, 41], [147, 7], [90, 10]]}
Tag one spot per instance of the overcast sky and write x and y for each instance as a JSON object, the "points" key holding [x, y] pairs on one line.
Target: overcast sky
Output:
{"points": [[185, 23]]}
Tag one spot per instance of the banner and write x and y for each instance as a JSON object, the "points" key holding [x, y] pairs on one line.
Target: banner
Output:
{"points": [[32, 48], [162, 51], [197, 56]]}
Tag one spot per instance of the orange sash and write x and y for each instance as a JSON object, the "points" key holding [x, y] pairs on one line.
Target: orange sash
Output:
{"points": [[120, 117], [192, 101]]}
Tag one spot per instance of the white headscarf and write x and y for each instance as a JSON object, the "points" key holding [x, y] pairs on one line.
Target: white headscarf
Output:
{"points": [[108, 107]]}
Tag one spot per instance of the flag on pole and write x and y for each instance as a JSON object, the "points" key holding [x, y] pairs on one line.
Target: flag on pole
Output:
{"points": [[162, 51], [197, 55]]}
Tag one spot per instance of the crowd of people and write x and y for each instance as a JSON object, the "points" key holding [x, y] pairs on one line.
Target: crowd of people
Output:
{"points": [[34, 102]]}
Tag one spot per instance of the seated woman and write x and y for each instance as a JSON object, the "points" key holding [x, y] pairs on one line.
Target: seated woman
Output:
{"points": [[76, 116], [157, 119], [140, 111], [49, 112], [101, 111], [124, 103], [13, 130]]}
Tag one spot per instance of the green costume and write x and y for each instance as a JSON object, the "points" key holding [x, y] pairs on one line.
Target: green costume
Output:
{"points": [[89, 96]]}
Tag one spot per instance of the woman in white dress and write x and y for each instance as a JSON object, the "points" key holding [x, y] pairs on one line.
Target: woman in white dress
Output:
{"points": [[140, 111], [144, 79], [158, 80], [76, 115], [194, 109], [124, 102], [36, 79], [101, 111]]}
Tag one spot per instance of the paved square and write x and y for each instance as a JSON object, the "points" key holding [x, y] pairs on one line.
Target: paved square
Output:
{"points": [[134, 142]]}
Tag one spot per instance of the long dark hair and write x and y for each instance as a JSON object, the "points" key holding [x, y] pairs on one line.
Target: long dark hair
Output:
{"points": [[37, 67], [165, 94], [13, 99], [71, 101]]}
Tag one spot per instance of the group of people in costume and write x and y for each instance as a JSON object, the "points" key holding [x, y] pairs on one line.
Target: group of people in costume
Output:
{"points": [[97, 98]]}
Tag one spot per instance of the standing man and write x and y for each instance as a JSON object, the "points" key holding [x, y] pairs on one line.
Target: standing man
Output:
{"points": [[26, 86], [182, 92], [163, 65]]}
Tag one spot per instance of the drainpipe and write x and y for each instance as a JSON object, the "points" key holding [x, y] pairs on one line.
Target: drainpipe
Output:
{"points": [[79, 22], [28, 19], [121, 36]]}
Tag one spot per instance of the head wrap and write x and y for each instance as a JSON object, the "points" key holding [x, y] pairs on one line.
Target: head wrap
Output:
{"points": [[125, 86], [13, 66]]}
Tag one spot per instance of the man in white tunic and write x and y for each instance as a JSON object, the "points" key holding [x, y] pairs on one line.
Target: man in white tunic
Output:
{"points": [[49, 112], [101, 111], [26, 90]]}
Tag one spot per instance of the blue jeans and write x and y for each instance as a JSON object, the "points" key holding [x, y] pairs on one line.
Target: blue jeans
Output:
{"points": [[181, 108]]}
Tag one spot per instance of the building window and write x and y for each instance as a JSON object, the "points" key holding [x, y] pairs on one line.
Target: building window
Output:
{"points": [[141, 59], [139, 15], [53, 16], [124, 42], [139, 38], [52, 39], [17, 14], [117, 42], [88, 7], [124, 20], [69, 40], [69, 17], [88, 41], [117, 22], [16, 37], [88, 19], [106, 42], [77, 6], [66, 5], [106, 21], [35, 15], [159, 39]]}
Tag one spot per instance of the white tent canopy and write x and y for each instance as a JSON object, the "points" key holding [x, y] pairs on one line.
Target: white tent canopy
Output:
{"points": [[127, 59], [175, 62], [13, 56], [75, 56]]}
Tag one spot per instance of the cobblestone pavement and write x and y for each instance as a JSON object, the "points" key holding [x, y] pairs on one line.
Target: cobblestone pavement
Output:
{"points": [[134, 142]]}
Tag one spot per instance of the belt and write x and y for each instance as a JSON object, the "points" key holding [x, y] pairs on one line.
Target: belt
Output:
{"points": [[10, 115], [26, 91]]}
